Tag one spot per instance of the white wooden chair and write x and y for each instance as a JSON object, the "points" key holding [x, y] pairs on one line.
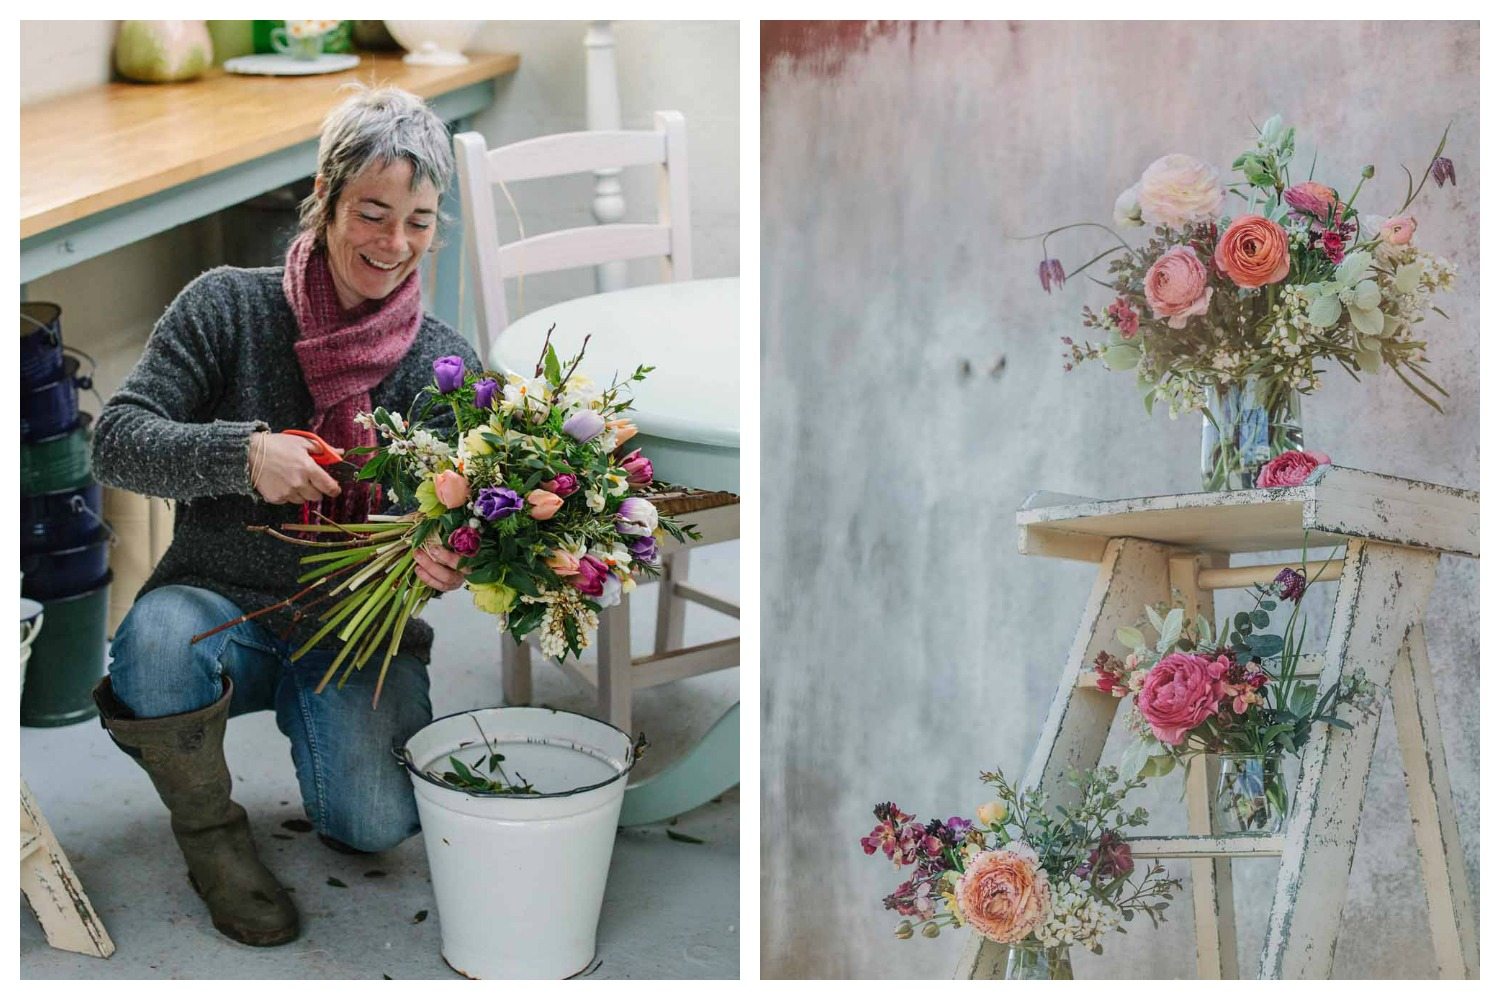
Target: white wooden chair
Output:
{"points": [[491, 264]]}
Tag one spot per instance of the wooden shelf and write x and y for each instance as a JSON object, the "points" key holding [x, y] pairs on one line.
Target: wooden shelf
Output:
{"points": [[95, 150], [1333, 506]]}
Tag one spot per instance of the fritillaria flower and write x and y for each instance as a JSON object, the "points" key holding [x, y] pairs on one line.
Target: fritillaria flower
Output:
{"points": [[1291, 584], [1442, 171], [1051, 272]]}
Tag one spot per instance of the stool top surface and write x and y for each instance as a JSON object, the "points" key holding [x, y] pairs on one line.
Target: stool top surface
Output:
{"points": [[1334, 505]]}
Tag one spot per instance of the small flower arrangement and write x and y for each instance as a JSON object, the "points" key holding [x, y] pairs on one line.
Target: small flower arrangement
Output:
{"points": [[1293, 276], [1025, 872], [1233, 693], [531, 484]]}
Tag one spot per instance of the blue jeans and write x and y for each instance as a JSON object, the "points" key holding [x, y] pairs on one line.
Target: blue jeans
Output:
{"points": [[353, 789]]}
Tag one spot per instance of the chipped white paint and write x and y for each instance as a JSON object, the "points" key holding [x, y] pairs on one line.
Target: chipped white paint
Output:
{"points": [[53, 891]]}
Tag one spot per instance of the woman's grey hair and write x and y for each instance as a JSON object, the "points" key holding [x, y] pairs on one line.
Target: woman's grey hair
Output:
{"points": [[378, 125]]}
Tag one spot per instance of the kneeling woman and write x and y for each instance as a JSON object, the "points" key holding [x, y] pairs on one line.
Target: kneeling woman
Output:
{"points": [[239, 356]]}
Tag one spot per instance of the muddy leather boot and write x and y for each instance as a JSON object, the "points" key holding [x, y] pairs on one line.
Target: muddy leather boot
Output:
{"points": [[184, 757]]}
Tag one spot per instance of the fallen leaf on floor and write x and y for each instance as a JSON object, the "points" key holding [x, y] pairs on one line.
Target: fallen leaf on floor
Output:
{"points": [[375, 873], [283, 836], [336, 883], [421, 916], [684, 838], [297, 825]]}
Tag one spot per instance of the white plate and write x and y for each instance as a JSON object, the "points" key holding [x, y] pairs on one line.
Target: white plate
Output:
{"points": [[276, 64]]}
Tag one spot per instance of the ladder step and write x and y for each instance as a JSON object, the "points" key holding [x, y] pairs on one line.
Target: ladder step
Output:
{"points": [[1226, 845]]}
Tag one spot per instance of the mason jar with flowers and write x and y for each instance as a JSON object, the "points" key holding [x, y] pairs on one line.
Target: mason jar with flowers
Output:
{"points": [[1234, 308]]}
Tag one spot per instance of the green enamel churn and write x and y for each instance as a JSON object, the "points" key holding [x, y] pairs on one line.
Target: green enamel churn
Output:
{"points": [[67, 659]]}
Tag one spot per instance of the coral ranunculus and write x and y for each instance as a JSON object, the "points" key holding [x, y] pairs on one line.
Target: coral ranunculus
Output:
{"points": [[1398, 231], [1004, 894], [1177, 190], [1290, 468], [1253, 252], [1177, 287], [1314, 200], [1180, 692]]}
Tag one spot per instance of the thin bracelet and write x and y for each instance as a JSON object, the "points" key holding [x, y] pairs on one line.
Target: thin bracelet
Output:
{"points": [[257, 459]]}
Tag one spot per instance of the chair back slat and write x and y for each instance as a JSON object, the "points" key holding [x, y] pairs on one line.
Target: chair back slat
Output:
{"points": [[586, 246], [489, 263], [575, 153]]}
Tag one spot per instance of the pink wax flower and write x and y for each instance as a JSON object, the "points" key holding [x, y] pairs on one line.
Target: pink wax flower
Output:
{"points": [[564, 485], [451, 488], [1290, 468], [1126, 318], [637, 468], [464, 540], [590, 577], [1177, 287], [1180, 692]]}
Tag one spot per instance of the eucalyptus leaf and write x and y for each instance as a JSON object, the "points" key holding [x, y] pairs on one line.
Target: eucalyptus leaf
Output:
{"points": [[1325, 312], [1122, 357]]}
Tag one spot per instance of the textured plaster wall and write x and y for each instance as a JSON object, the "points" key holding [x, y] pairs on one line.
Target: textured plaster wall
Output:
{"points": [[907, 644]]}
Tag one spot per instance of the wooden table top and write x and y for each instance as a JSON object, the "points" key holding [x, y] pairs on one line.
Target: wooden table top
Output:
{"points": [[113, 144]]}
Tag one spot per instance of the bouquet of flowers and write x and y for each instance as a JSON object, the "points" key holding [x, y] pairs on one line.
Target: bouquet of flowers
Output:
{"points": [[530, 484], [1234, 694], [1231, 309], [1026, 874]]}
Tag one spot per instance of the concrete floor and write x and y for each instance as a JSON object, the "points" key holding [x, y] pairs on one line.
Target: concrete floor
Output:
{"points": [[671, 909]]}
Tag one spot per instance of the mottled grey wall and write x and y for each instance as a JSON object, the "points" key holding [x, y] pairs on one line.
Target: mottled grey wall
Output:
{"points": [[906, 644]]}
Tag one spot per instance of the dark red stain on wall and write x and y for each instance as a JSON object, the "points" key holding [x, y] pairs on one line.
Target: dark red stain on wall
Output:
{"points": [[825, 46]]}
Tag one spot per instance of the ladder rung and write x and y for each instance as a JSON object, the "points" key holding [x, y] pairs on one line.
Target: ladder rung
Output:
{"points": [[1228, 845], [1229, 577], [29, 842]]}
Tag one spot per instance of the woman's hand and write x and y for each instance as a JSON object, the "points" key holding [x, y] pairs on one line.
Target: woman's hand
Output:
{"points": [[285, 471], [437, 566]]}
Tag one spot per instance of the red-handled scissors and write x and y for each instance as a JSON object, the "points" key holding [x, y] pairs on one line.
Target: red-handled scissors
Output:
{"points": [[329, 457]]}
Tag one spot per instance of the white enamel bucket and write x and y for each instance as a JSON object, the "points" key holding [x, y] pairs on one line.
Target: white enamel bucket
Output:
{"points": [[31, 624], [519, 879]]}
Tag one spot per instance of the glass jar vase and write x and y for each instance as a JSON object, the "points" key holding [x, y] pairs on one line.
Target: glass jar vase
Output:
{"points": [[1030, 959], [1245, 425], [1253, 794]]}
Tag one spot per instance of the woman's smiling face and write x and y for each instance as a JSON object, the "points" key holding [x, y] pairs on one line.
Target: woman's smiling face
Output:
{"points": [[380, 230]]}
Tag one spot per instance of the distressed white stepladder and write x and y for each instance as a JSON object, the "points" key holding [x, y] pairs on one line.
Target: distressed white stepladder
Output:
{"points": [[716, 515], [1393, 531], [53, 891]]}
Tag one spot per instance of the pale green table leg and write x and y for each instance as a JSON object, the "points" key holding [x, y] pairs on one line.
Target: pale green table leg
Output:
{"points": [[708, 770]]}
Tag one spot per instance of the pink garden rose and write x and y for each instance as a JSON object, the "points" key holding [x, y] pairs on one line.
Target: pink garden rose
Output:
{"points": [[1314, 200], [1180, 692], [1290, 468], [1177, 287], [1177, 190], [1004, 894]]}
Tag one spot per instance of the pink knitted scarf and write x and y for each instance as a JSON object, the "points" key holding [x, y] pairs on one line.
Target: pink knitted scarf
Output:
{"points": [[345, 353]]}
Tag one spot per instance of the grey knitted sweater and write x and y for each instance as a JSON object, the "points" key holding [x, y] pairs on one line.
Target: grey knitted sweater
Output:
{"points": [[218, 366]]}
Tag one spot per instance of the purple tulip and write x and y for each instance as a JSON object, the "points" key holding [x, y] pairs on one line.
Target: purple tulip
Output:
{"points": [[635, 517], [643, 550], [585, 425], [484, 392], [497, 502], [637, 468], [464, 540], [564, 485], [590, 577], [449, 371]]}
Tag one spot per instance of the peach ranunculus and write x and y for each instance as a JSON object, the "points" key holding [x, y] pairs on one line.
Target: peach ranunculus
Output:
{"points": [[1177, 190], [1398, 231], [1004, 894], [1177, 287], [1181, 691], [451, 488], [1290, 468], [1253, 252], [541, 505], [1314, 200]]}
